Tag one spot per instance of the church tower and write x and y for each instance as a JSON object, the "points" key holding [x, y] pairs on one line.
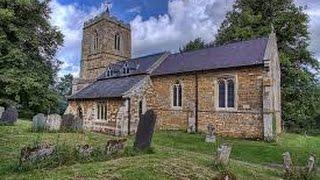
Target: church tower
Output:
{"points": [[105, 40]]}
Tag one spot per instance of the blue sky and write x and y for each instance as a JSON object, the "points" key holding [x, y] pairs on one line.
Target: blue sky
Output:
{"points": [[157, 25]]}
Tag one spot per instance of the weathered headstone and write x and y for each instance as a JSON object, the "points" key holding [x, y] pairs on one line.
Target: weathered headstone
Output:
{"points": [[1, 111], [114, 146], [38, 122], [211, 135], [191, 125], [9, 116], [311, 165], [53, 122], [287, 163], [38, 152], [223, 154], [145, 130], [85, 150], [71, 122]]}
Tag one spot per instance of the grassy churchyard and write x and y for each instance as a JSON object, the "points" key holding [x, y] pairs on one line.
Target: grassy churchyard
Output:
{"points": [[177, 155]]}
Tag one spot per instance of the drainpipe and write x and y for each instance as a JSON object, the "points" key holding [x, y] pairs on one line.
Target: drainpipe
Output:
{"points": [[129, 115], [196, 102]]}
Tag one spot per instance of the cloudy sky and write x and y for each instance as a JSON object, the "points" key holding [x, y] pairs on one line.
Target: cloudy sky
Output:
{"points": [[157, 25]]}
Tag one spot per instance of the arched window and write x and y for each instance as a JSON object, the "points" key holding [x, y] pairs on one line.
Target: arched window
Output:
{"points": [[117, 41], [96, 40], [226, 88], [109, 72], [125, 69], [177, 95], [230, 94], [102, 111], [80, 113], [222, 94]]}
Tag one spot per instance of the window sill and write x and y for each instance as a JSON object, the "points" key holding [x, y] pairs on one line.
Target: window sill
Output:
{"points": [[176, 107], [227, 109]]}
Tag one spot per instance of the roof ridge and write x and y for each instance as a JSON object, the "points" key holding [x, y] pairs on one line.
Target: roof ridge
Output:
{"points": [[223, 45]]}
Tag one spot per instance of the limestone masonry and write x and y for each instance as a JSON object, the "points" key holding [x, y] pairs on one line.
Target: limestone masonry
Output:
{"points": [[235, 87]]}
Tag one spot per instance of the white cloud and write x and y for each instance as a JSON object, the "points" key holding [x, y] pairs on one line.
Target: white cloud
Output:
{"points": [[185, 21], [69, 19]]}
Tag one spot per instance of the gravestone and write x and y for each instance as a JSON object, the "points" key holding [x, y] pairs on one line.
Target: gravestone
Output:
{"points": [[311, 165], [114, 146], [1, 111], [191, 125], [35, 153], [71, 122], [85, 150], [38, 122], [211, 135], [145, 130], [287, 163], [223, 154], [9, 116], [53, 122]]}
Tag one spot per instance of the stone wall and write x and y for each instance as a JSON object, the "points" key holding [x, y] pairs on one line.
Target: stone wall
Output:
{"points": [[243, 121], [89, 110]]}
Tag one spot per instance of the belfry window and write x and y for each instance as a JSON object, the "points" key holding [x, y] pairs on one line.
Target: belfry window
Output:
{"points": [[109, 72], [125, 69], [95, 45], [117, 42], [177, 95], [226, 93], [102, 111]]}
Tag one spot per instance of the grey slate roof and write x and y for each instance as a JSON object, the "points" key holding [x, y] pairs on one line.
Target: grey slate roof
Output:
{"points": [[111, 88], [244, 53], [137, 66]]}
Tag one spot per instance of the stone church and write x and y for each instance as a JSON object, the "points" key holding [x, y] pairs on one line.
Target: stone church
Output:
{"points": [[235, 87]]}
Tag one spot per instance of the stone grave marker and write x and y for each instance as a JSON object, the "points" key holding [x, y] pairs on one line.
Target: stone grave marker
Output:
{"points": [[191, 125], [287, 163], [53, 122], [38, 122], [1, 111], [114, 146], [9, 116], [145, 130], [39, 152], [311, 165], [211, 135], [85, 150], [223, 154], [71, 122]]}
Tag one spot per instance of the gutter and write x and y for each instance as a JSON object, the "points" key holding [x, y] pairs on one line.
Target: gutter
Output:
{"points": [[196, 101]]}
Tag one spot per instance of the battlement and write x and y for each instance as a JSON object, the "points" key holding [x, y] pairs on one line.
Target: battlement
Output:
{"points": [[105, 16]]}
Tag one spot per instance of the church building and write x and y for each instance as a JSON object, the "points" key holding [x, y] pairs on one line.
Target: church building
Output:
{"points": [[234, 87]]}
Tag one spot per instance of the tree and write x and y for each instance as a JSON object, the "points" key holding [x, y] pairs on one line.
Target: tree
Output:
{"points": [[28, 44], [193, 45], [64, 85], [63, 88], [255, 18]]}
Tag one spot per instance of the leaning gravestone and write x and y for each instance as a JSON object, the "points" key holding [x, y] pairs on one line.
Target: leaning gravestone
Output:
{"points": [[1, 111], [211, 135], [287, 163], [311, 165], [53, 122], [145, 130], [9, 116], [223, 154], [38, 122]]}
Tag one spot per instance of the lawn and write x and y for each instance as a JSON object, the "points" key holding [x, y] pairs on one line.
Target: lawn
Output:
{"points": [[178, 155]]}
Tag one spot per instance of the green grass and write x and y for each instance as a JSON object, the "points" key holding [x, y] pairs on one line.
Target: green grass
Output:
{"points": [[178, 155]]}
